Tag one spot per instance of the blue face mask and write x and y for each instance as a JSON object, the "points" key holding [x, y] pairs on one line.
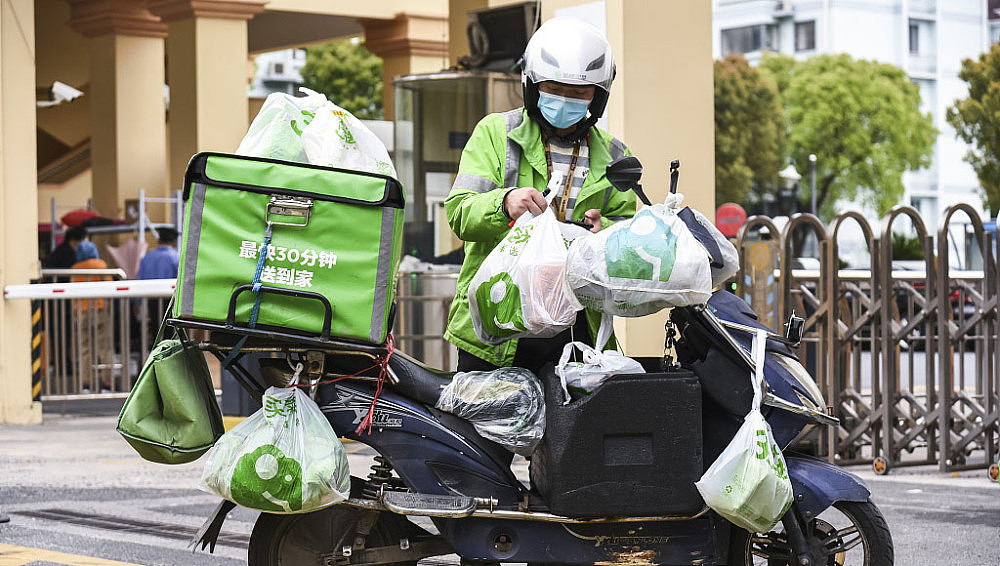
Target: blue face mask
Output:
{"points": [[560, 111]]}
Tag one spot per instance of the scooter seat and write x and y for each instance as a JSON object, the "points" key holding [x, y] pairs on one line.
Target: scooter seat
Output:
{"points": [[417, 381]]}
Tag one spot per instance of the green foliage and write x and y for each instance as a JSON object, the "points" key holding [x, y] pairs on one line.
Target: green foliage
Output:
{"points": [[749, 132], [348, 74], [904, 247], [977, 121], [861, 118]]}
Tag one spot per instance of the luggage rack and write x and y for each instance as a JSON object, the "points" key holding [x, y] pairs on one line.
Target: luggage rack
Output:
{"points": [[225, 336]]}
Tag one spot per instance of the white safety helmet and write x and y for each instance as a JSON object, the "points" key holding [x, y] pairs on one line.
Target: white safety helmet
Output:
{"points": [[569, 51]]}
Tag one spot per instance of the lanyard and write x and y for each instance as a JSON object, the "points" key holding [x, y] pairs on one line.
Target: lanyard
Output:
{"points": [[568, 183]]}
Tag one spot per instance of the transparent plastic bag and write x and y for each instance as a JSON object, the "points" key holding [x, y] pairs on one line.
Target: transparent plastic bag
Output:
{"points": [[730, 257], [583, 377], [311, 129], [276, 131], [506, 406], [285, 458], [748, 483], [520, 288], [640, 266]]}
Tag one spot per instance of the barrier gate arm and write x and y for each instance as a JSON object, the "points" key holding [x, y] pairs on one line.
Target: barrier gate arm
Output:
{"points": [[93, 289]]}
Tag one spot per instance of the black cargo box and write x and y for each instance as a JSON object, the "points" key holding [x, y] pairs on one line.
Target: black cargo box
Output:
{"points": [[631, 448]]}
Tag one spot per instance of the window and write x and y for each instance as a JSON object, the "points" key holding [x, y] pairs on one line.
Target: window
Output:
{"points": [[746, 39], [278, 68], [914, 38], [805, 36]]}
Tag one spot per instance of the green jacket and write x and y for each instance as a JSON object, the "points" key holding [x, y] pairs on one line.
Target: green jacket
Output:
{"points": [[505, 152]]}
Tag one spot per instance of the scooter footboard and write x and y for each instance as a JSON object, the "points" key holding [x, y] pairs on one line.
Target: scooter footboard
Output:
{"points": [[817, 484], [697, 541]]}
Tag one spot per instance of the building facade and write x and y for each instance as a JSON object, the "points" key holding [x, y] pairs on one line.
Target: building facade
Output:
{"points": [[928, 39]]}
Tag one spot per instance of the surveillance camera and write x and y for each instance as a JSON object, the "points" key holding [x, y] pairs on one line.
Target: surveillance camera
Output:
{"points": [[62, 92]]}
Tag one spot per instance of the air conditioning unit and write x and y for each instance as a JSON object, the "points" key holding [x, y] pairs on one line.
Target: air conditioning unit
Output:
{"points": [[784, 9], [498, 36]]}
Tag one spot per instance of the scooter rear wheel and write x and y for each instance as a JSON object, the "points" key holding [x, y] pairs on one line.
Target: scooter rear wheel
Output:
{"points": [[848, 534], [303, 540]]}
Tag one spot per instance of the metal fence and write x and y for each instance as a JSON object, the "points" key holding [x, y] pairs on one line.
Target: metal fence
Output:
{"points": [[91, 344], [905, 354]]}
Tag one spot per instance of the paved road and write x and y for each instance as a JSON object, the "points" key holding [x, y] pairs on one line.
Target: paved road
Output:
{"points": [[78, 495]]}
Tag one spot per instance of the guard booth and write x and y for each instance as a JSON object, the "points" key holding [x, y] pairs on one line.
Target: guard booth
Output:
{"points": [[434, 117]]}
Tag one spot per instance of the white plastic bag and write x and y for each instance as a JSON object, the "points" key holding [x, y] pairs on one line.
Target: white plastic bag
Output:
{"points": [[730, 257], [640, 266], [285, 458], [582, 378], [506, 406], [520, 288], [748, 483], [311, 129]]}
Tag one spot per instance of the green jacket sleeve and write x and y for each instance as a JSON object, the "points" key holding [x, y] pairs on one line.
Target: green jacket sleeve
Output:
{"points": [[475, 204]]}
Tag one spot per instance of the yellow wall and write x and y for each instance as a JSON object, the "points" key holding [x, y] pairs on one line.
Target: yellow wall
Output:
{"points": [[382, 9], [70, 195], [18, 215]]}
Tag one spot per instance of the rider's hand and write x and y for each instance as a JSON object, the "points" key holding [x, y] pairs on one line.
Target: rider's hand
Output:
{"points": [[526, 199], [593, 217]]}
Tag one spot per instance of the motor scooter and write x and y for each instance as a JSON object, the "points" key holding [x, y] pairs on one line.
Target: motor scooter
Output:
{"points": [[611, 483]]}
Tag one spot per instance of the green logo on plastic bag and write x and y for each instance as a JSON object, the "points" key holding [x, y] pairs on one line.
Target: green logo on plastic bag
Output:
{"points": [[646, 250], [499, 302], [268, 480], [308, 117]]}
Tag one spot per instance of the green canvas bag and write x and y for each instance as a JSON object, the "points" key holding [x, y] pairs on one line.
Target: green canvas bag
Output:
{"points": [[336, 241], [171, 416]]}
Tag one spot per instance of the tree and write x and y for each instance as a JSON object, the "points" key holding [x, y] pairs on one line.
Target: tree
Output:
{"points": [[749, 132], [861, 118], [977, 121], [348, 74]]}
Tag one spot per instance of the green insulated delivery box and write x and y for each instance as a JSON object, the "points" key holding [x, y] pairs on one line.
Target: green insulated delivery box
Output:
{"points": [[335, 246]]}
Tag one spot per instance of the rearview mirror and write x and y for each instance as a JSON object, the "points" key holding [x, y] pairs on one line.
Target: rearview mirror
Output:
{"points": [[624, 174]]}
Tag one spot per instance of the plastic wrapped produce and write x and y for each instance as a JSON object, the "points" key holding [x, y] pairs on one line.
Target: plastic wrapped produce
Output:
{"points": [[640, 266], [285, 458], [311, 129], [520, 288], [748, 483], [506, 406]]}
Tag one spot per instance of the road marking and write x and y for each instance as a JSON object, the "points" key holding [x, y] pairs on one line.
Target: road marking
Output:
{"points": [[11, 555]]}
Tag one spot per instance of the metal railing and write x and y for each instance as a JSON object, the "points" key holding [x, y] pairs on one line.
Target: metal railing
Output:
{"points": [[907, 358], [96, 329]]}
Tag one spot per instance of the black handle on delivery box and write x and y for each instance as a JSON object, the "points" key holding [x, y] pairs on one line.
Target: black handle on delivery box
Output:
{"points": [[327, 314]]}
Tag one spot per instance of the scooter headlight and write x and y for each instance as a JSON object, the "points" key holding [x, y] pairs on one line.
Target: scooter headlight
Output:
{"points": [[805, 381]]}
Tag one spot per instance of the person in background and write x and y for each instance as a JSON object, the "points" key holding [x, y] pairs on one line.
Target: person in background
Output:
{"points": [[159, 263], [64, 255], [92, 322], [511, 157], [162, 262]]}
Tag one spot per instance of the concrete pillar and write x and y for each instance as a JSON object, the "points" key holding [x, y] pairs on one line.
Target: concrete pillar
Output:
{"points": [[207, 74], [407, 44], [18, 207], [662, 107], [127, 109]]}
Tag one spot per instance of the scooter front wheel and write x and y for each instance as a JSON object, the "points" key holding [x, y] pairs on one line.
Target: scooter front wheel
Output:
{"points": [[312, 538], [847, 534]]}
